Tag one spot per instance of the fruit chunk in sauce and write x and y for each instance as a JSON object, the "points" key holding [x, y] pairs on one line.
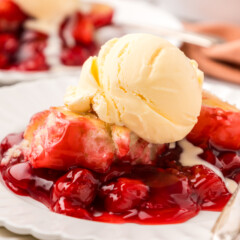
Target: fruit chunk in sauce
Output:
{"points": [[163, 193]]}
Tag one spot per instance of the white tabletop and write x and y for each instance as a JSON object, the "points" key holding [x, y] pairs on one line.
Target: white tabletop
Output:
{"points": [[7, 235]]}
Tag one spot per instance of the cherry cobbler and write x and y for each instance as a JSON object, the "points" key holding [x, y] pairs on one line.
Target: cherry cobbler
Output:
{"points": [[79, 166]]}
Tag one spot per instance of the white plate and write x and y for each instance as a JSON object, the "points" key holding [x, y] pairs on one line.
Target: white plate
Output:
{"points": [[26, 216], [126, 12]]}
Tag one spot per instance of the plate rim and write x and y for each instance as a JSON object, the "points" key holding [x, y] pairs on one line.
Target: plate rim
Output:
{"points": [[26, 218]]}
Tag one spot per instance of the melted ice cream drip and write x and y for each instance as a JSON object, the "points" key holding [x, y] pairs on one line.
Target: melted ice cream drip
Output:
{"points": [[189, 157]]}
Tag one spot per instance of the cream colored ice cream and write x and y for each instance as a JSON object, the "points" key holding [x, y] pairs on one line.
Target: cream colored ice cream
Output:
{"points": [[144, 83], [48, 13]]}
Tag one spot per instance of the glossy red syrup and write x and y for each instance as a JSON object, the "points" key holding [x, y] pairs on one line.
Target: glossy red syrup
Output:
{"points": [[161, 194]]}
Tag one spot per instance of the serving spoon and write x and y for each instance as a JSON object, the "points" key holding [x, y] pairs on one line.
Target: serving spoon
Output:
{"points": [[227, 226], [202, 40]]}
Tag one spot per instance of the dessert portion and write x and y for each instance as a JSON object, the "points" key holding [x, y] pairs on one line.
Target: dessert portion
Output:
{"points": [[80, 165], [144, 83], [32, 31]]}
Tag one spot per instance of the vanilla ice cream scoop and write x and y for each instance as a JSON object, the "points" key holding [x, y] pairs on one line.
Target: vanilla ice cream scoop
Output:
{"points": [[144, 83]]}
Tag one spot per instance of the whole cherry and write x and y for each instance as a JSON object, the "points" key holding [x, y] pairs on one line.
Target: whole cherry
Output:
{"points": [[123, 195], [78, 185]]}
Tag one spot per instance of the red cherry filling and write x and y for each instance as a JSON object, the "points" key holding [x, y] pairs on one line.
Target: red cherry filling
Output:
{"points": [[142, 194], [8, 43], [75, 56], [32, 35], [217, 127], [69, 208], [4, 60], [83, 30], [21, 178], [170, 196], [9, 141], [211, 190], [78, 185], [35, 63], [228, 162], [11, 16], [131, 187], [123, 195], [235, 175], [23, 52]]}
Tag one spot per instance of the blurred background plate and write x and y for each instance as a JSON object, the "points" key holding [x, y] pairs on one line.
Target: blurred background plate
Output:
{"points": [[126, 12]]}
